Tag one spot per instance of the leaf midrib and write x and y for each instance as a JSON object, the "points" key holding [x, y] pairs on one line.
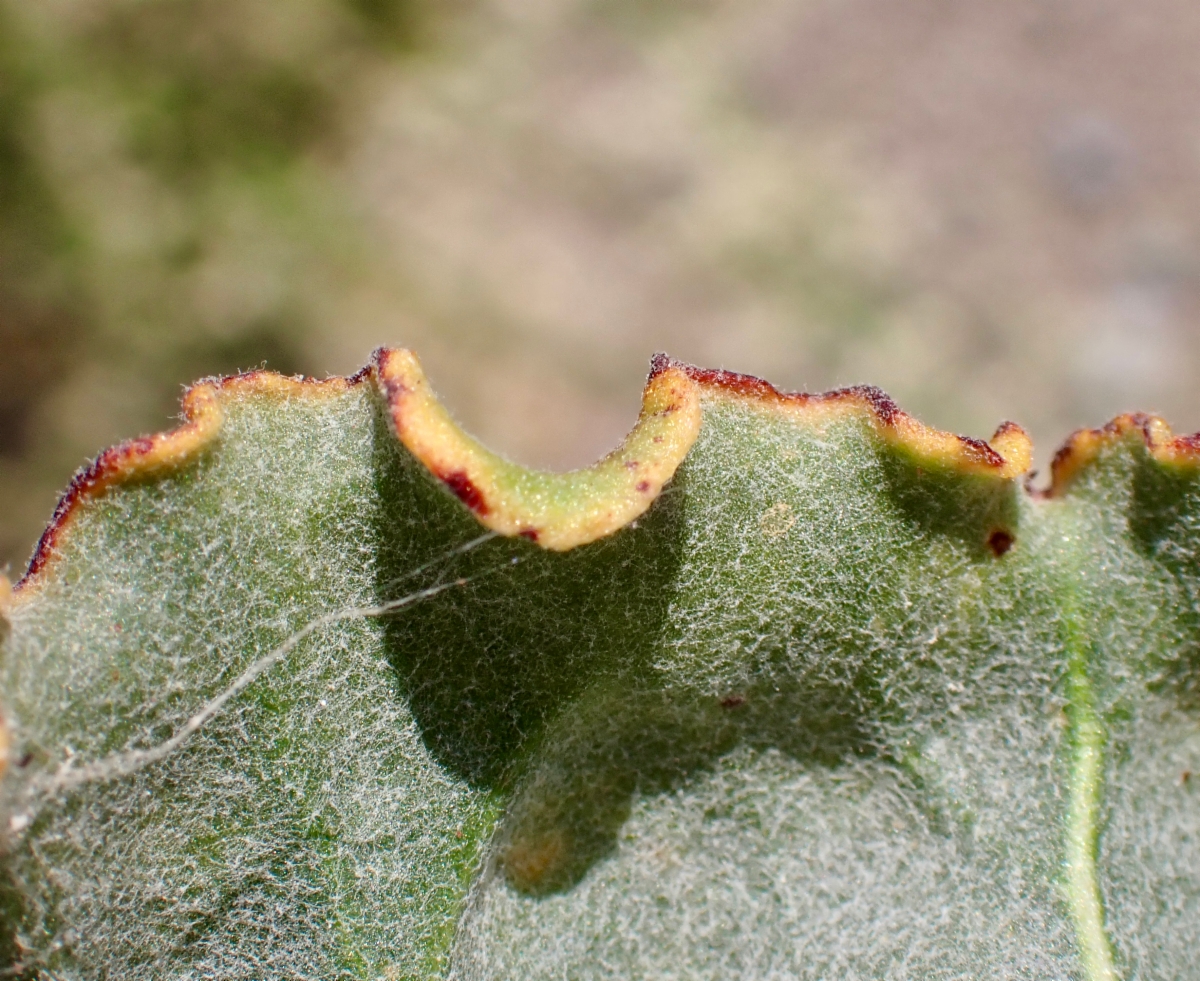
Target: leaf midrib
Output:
{"points": [[1086, 738]]}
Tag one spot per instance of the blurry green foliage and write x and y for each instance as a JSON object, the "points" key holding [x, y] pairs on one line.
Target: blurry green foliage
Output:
{"points": [[38, 299], [153, 156]]}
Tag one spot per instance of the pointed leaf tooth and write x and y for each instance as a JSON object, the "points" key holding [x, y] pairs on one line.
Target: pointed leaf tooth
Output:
{"points": [[1084, 446]]}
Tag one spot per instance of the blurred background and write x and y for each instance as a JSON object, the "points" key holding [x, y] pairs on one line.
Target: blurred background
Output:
{"points": [[991, 210]]}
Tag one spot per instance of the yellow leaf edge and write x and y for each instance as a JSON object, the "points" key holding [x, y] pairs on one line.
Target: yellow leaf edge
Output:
{"points": [[561, 511]]}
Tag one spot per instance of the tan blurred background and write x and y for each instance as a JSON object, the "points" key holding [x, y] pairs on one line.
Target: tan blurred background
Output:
{"points": [[991, 210]]}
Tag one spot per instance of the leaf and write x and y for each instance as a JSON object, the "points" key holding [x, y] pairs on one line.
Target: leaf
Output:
{"points": [[843, 700]]}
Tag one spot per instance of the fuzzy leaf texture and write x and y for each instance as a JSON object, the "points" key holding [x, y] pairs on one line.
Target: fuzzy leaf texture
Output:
{"points": [[787, 686]]}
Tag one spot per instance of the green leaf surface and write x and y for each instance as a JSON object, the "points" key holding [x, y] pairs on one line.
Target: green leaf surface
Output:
{"points": [[844, 700]]}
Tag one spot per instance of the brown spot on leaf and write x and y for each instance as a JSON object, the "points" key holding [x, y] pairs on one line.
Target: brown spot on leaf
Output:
{"points": [[528, 862], [530, 533], [1000, 541], [631, 464], [465, 490], [643, 486], [733, 701]]}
